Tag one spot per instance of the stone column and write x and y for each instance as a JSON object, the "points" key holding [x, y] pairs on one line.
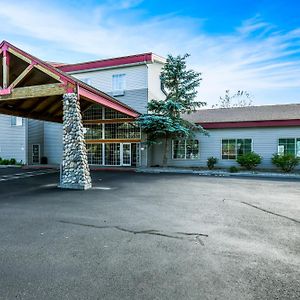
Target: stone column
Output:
{"points": [[75, 173]]}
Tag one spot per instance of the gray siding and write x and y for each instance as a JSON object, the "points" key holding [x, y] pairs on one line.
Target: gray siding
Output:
{"points": [[264, 142], [137, 99], [12, 139], [53, 148], [35, 137]]}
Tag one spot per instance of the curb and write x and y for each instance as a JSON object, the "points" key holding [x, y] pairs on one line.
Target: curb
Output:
{"points": [[222, 174]]}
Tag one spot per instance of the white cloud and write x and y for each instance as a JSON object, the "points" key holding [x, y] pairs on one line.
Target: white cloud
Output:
{"points": [[256, 57]]}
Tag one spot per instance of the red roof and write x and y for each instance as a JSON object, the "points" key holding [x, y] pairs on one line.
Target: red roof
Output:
{"points": [[105, 63]]}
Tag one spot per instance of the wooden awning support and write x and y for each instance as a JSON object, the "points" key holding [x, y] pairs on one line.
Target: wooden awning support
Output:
{"points": [[32, 88]]}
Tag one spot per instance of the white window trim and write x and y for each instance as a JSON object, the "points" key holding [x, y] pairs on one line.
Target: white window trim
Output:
{"points": [[233, 159], [295, 148], [19, 121], [118, 92], [185, 158]]}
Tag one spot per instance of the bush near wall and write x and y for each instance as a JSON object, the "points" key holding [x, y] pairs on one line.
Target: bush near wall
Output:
{"points": [[211, 161], [6, 162], [286, 162], [249, 160]]}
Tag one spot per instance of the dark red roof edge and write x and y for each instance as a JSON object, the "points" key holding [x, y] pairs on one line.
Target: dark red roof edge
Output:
{"points": [[247, 124], [111, 62]]}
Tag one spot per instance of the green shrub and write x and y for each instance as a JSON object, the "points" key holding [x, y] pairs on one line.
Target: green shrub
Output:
{"points": [[249, 160], [5, 162], [13, 161], [286, 162], [233, 169], [211, 161]]}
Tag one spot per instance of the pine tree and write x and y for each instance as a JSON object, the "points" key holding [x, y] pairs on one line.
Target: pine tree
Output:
{"points": [[164, 120]]}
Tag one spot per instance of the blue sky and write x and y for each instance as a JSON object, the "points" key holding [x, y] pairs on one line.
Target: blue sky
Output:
{"points": [[237, 45]]}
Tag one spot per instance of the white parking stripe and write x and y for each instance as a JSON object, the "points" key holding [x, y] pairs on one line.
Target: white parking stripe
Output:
{"points": [[25, 175]]}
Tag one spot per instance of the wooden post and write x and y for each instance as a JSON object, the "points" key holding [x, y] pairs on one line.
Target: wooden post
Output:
{"points": [[5, 63]]}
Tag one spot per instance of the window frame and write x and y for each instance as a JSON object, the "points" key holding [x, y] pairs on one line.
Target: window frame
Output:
{"points": [[296, 139], [118, 91], [16, 123], [236, 149], [185, 150]]}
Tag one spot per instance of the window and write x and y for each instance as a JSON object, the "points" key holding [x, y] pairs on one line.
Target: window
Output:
{"points": [[183, 149], [94, 154], [16, 121], [93, 131], [232, 148], [118, 84], [289, 146], [94, 112]]}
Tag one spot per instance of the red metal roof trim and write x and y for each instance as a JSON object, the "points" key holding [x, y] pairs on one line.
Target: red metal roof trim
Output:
{"points": [[106, 102], [126, 60], [85, 90], [249, 124]]}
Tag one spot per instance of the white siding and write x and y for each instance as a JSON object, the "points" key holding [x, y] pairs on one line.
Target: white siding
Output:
{"points": [[35, 136], [265, 142], [12, 139], [154, 83], [53, 146], [135, 78]]}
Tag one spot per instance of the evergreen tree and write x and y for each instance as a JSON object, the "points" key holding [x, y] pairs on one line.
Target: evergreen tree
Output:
{"points": [[164, 120]]}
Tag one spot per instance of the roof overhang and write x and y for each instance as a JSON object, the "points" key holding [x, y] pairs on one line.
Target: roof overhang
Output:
{"points": [[250, 124], [32, 88]]}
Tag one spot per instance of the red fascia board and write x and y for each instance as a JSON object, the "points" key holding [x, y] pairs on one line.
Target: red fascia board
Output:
{"points": [[147, 57], [106, 102], [34, 59], [249, 124]]}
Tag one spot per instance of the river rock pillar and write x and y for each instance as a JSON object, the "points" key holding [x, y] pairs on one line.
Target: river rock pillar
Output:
{"points": [[75, 173]]}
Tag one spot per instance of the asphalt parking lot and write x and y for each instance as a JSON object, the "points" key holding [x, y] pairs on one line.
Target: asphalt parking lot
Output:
{"points": [[149, 236]]}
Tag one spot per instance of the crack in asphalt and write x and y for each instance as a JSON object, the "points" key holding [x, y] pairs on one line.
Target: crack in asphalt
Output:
{"points": [[270, 212], [175, 235]]}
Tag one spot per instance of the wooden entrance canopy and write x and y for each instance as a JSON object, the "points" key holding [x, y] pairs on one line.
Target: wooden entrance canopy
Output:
{"points": [[32, 88]]}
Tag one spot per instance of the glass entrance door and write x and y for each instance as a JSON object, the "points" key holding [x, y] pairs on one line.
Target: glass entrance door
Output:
{"points": [[126, 154]]}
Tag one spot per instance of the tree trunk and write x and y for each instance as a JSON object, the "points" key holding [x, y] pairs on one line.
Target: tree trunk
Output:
{"points": [[165, 153]]}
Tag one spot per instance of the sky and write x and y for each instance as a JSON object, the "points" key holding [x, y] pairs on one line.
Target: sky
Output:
{"points": [[236, 45]]}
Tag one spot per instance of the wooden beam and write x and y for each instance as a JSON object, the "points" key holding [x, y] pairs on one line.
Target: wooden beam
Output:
{"points": [[110, 121], [49, 73], [113, 141], [21, 76], [44, 104], [35, 91], [25, 114], [17, 54], [57, 110], [54, 107], [5, 69]]}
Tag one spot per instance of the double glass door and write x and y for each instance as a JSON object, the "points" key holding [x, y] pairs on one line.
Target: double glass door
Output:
{"points": [[117, 154]]}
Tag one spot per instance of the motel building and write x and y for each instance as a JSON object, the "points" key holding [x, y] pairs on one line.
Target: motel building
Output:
{"points": [[47, 108]]}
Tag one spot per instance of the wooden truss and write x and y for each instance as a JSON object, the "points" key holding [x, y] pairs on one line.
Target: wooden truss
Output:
{"points": [[32, 88]]}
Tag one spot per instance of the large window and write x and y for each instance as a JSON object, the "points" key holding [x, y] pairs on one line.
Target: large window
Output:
{"points": [[94, 112], [232, 148], [93, 131], [118, 84], [185, 149], [126, 130], [289, 146], [16, 121], [94, 154]]}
